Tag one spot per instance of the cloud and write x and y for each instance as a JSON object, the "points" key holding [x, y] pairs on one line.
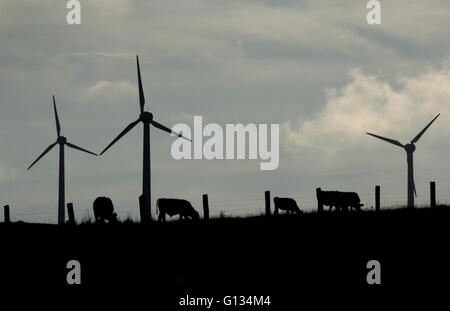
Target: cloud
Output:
{"points": [[111, 7], [398, 109], [116, 55], [110, 88], [7, 173]]}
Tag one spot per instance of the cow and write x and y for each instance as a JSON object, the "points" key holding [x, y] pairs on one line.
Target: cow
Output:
{"points": [[287, 204], [104, 210], [173, 207], [341, 201]]}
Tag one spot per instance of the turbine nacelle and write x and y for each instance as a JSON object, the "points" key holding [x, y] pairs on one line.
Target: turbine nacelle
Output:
{"points": [[146, 116], [410, 148], [61, 140]]}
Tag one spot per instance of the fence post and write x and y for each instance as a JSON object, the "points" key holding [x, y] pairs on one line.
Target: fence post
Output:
{"points": [[377, 198], [432, 194], [141, 208], [267, 196], [319, 202], [7, 217], [205, 207], [70, 213]]}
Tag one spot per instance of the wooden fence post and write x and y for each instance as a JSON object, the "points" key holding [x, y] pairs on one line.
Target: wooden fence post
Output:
{"points": [[7, 217], [319, 202], [70, 213], [432, 194], [267, 196], [377, 198], [205, 207]]}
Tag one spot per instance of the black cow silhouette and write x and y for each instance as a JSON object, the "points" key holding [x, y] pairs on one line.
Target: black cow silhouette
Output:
{"points": [[287, 204], [173, 207], [341, 201], [104, 210]]}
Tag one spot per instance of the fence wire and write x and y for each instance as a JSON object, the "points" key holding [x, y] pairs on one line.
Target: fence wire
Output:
{"points": [[235, 206]]}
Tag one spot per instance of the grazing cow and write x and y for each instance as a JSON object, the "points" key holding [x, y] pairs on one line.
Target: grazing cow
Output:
{"points": [[173, 207], [287, 204], [341, 201], [104, 210]]}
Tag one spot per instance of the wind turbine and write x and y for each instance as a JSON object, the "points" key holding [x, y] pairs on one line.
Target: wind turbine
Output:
{"points": [[409, 148], [62, 141], [146, 117]]}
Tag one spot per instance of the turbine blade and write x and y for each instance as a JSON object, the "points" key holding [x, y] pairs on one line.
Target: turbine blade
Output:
{"points": [[79, 148], [392, 141], [414, 187], [58, 126], [141, 91], [168, 130], [42, 154], [416, 139], [126, 130]]}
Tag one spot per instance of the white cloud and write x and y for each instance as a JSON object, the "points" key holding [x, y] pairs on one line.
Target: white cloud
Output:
{"points": [[398, 110], [112, 87]]}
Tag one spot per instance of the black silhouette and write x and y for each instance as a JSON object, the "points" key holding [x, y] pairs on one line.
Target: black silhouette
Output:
{"points": [[104, 210], [205, 207], [71, 214], [341, 201], [409, 148], [287, 204], [146, 118], [267, 201], [7, 218], [314, 253], [173, 207], [62, 141]]}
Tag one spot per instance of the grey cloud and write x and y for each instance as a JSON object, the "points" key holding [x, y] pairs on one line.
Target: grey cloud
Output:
{"points": [[230, 61]]}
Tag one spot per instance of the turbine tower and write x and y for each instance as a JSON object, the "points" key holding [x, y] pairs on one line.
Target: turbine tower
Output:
{"points": [[62, 141], [146, 118], [409, 148]]}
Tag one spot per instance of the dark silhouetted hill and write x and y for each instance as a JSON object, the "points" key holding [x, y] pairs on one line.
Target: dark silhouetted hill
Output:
{"points": [[280, 255]]}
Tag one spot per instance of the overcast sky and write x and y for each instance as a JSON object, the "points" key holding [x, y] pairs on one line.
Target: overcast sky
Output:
{"points": [[314, 67]]}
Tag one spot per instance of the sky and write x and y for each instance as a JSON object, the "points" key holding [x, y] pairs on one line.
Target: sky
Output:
{"points": [[316, 68]]}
